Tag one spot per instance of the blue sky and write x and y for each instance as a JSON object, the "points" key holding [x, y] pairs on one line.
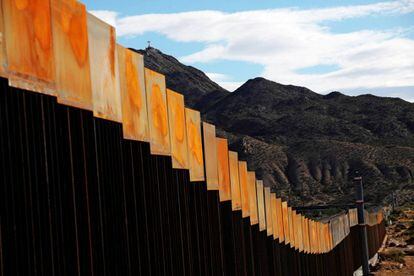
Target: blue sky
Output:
{"points": [[355, 47]]}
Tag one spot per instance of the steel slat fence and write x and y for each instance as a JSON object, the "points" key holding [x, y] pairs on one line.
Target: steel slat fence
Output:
{"points": [[79, 199]]}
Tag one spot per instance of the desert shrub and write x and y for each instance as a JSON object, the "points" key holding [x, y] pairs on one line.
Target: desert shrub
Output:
{"points": [[394, 255], [395, 214]]}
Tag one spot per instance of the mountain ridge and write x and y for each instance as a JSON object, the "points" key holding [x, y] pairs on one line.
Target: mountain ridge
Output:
{"points": [[199, 91], [304, 144]]}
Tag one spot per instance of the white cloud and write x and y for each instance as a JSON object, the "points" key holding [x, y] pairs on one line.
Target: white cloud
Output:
{"points": [[224, 80], [406, 93], [106, 16], [286, 40], [217, 76]]}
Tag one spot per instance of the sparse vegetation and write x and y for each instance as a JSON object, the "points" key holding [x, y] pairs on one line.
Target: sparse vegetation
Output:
{"points": [[394, 255], [395, 214]]}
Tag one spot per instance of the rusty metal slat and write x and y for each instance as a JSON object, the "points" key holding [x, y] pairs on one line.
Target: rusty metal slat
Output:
{"points": [[135, 124], [244, 189], [234, 181], [157, 113], [29, 44], [273, 213], [261, 205], [70, 44], [3, 56], [223, 169], [210, 156], [252, 198], [104, 70], [195, 147], [178, 132], [279, 214], [268, 209]]}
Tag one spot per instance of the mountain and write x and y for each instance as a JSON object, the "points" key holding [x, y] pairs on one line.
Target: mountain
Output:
{"points": [[305, 145], [287, 113]]}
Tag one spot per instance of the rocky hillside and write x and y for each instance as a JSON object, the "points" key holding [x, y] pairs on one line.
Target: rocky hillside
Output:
{"points": [[306, 145]]}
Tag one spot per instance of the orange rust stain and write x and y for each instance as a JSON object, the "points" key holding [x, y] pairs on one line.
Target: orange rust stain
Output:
{"points": [[299, 226], [305, 235], [318, 236], [158, 110], [195, 142], [252, 199], [131, 73], [177, 129], [244, 188], [308, 227], [268, 211], [78, 35], [41, 24], [223, 167], [111, 51], [285, 220], [234, 180], [327, 243], [30, 23], [291, 230], [314, 236], [260, 205], [210, 156], [294, 230], [66, 17], [132, 99], [302, 226], [21, 4], [274, 216], [179, 123], [280, 219]]}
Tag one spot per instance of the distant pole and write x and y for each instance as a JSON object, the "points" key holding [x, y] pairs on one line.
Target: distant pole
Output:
{"points": [[395, 199], [361, 222]]}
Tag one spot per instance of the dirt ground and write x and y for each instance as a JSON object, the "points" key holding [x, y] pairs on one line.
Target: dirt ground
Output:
{"points": [[397, 257], [395, 268]]}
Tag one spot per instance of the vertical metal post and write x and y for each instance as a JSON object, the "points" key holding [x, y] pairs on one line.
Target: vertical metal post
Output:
{"points": [[361, 222]]}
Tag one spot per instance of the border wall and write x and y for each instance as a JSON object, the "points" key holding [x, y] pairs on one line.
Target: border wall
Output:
{"points": [[104, 171]]}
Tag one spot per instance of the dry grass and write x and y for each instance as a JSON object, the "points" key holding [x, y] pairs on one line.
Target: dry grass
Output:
{"points": [[394, 255]]}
